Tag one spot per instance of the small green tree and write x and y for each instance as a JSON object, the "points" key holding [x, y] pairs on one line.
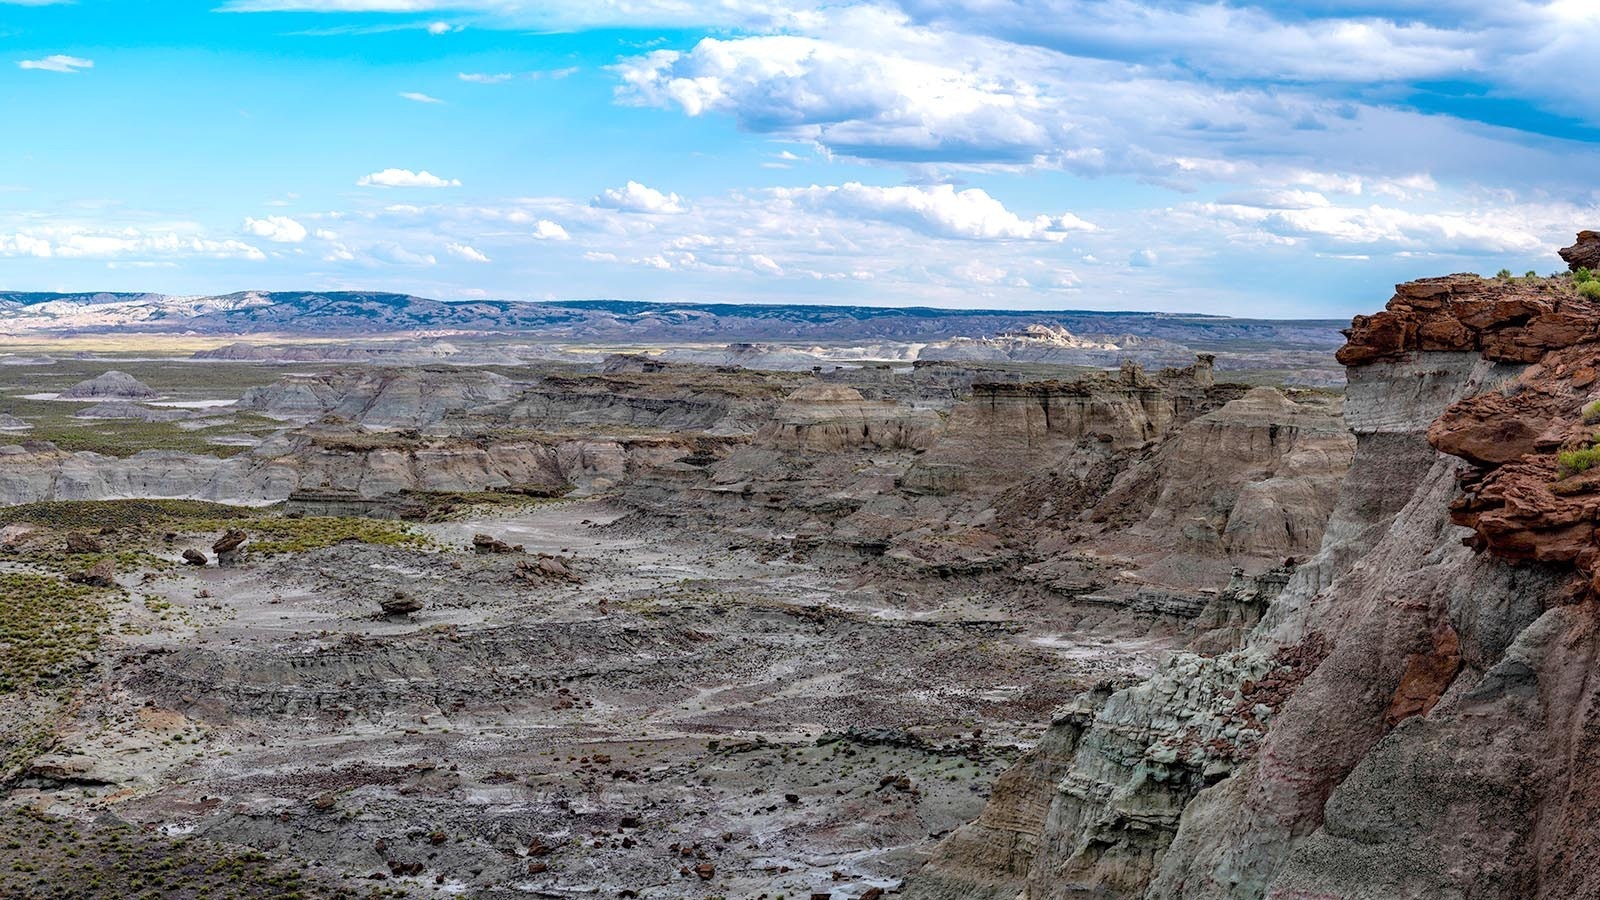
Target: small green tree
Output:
{"points": [[1503, 274]]}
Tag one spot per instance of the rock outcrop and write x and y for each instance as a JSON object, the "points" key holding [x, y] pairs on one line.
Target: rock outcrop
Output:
{"points": [[826, 417], [1584, 252], [383, 398], [121, 409], [112, 385]]}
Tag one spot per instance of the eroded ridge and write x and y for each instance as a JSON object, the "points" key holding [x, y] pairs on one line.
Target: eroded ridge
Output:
{"points": [[1531, 492]]}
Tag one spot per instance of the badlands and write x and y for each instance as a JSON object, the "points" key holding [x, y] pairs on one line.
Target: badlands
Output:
{"points": [[282, 619]]}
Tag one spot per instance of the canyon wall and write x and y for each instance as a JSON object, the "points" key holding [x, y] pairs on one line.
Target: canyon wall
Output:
{"points": [[1409, 718]]}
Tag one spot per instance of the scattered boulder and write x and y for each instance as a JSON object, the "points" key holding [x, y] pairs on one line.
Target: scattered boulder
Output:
{"points": [[323, 802], [194, 557], [545, 568], [9, 422], [227, 547], [484, 544], [400, 604], [102, 574], [78, 542], [112, 385]]}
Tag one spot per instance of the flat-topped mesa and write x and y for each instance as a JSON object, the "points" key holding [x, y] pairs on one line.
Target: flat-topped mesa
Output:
{"points": [[1532, 491]]}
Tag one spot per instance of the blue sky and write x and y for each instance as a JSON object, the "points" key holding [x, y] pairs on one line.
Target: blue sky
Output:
{"points": [[1278, 158]]}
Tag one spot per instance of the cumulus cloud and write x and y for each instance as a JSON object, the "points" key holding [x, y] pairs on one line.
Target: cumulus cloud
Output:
{"points": [[405, 178], [637, 198], [939, 210], [57, 63], [546, 230], [857, 101], [278, 229]]}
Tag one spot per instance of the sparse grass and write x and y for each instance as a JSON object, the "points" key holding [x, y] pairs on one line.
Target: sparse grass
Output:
{"points": [[270, 536], [123, 438], [55, 859], [47, 626], [97, 514]]}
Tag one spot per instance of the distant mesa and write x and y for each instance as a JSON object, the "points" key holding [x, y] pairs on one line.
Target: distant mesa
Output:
{"points": [[112, 385]]}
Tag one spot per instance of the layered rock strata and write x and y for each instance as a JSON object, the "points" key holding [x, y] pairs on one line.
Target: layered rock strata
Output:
{"points": [[1407, 718]]}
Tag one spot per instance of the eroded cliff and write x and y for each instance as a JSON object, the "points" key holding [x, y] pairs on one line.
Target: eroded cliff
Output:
{"points": [[1408, 718]]}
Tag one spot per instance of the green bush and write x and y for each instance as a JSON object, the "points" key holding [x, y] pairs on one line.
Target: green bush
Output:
{"points": [[1590, 289], [1574, 461], [1582, 275], [1591, 413], [1503, 274], [1531, 274]]}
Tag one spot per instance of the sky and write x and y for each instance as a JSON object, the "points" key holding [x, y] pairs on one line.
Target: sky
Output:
{"points": [[1287, 158]]}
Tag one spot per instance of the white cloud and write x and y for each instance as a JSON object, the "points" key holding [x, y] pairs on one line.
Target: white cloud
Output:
{"points": [[637, 198], [1390, 228], [57, 63], [405, 178], [441, 28], [546, 230], [466, 252], [278, 229], [939, 210], [485, 77], [69, 241], [416, 97]]}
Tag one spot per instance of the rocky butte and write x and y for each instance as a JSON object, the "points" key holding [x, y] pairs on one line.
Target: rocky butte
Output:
{"points": [[1413, 715]]}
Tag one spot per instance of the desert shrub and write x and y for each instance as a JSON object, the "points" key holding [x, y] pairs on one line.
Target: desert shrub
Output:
{"points": [[1590, 289], [1530, 274], [1591, 413], [1574, 461], [1503, 274], [1582, 275]]}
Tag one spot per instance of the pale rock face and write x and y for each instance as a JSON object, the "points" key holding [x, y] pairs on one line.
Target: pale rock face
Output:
{"points": [[824, 418], [396, 398], [1313, 791], [39, 472], [1253, 481]]}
